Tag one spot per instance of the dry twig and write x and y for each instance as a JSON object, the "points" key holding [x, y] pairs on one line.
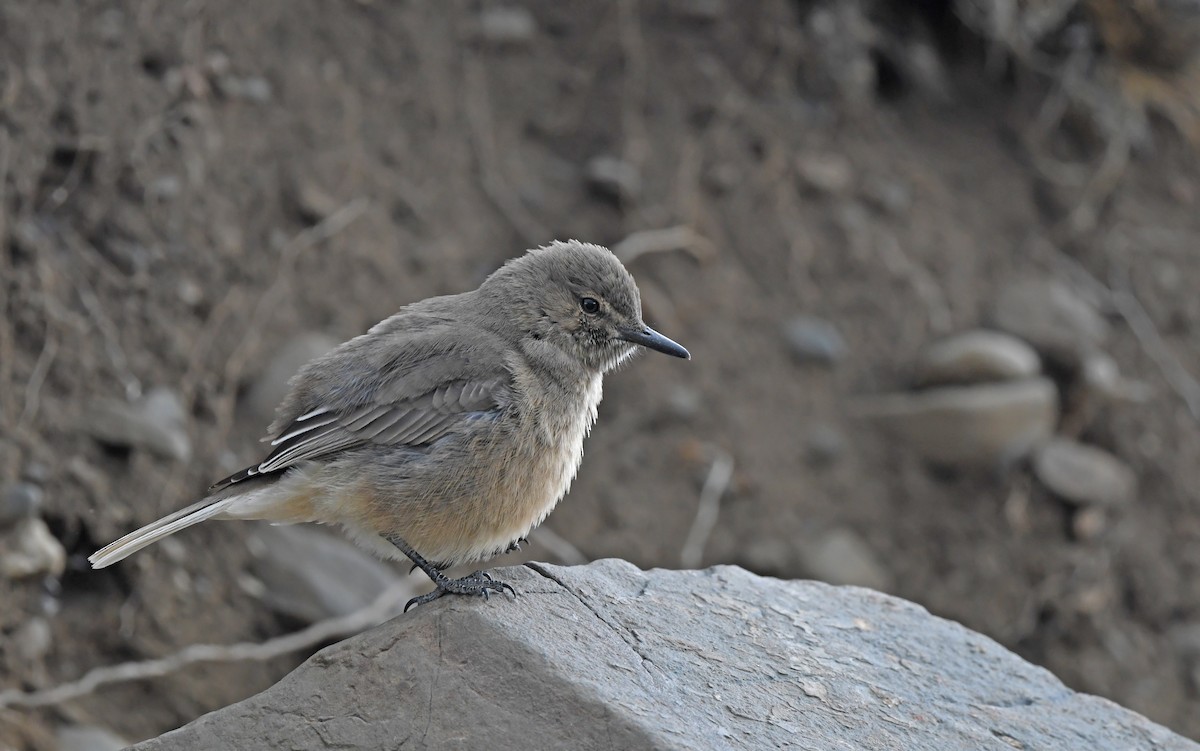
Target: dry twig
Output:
{"points": [[680, 237], [385, 606], [715, 485]]}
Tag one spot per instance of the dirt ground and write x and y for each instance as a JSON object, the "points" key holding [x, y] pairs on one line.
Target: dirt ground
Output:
{"points": [[162, 165]]}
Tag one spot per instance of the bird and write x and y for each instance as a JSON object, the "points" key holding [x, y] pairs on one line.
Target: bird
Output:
{"points": [[449, 431]]}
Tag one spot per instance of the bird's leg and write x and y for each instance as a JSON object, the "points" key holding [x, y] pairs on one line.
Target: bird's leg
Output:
{"points": [[476, 584]]}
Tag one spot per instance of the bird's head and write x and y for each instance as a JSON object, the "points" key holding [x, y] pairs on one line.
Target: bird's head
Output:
{"points": [[578, 298]]}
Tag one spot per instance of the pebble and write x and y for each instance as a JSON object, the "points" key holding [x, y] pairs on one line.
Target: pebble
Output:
{"points": [[888, 196], [613, 178], [18, 501], [1103, 378], [157, 423], [841, 557], [814, 340], [29, 549], [825, 173], [769, 557], [685, 402], [976, 357], [981, 426], [311, 201], [311, 575], [702, 11], [248, 88], [824, 445], [1051, 317], [271, 385], [1084, 475], [32, 639], [88, 738], [507, 25]]}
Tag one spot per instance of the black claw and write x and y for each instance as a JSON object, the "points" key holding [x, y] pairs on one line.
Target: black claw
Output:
{"points": [[478, 584]]}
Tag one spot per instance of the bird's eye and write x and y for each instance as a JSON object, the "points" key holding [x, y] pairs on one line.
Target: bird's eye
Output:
{"points": [[590, 305]]}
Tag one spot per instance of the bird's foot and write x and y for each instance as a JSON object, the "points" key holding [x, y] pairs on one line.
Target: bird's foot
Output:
{"points": [[478, 584]]}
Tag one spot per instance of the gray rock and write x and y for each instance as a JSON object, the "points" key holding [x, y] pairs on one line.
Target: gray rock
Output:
{"points": [[976, 357], [985, 425], [29, 549], [254, 89], [701, 11], [88, 738], [613, 178], [156, 423], [607, 656], [825, 173], [32, 639], [18, 501], [823, 445], [1050, 316], [1102, 378], [311, 575], [814, 340], [685, 402], [1084, 474], [888, 196], [503, 25], [271, 385], [842, 557]]}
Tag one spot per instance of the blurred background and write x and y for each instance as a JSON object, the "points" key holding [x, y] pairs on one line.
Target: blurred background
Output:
{"points": [[936, 262]]}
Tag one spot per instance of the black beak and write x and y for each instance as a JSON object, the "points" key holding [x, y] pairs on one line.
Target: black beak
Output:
{"points": [[648, 337]]}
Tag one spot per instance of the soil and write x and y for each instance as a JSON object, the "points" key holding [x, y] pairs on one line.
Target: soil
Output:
{"points": [[163, 166]]}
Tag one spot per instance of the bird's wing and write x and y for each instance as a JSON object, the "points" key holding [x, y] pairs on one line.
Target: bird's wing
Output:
{"points": [[414, 406]]}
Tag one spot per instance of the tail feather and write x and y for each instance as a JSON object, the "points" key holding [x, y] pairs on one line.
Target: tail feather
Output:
{"points": [[157, 530]]}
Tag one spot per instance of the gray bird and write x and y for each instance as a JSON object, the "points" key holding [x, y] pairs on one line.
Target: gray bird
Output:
{"points": [[450, 430]]}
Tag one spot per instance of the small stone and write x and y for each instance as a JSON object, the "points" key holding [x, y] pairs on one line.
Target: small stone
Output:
{"points": [[88, 738], [311, 201], [32, 639], [501, 25], [702, 11], [1052, 317], [685, 402], [1089, 523], [769, 557], [888, 196], [825, 173], [983, 425], [842, 557], [110, 26], [254, 89], [823, 445], [976, 357], [1084, 475], [1102, 378], [271, 385], [814, 340], [155, 423], [29, 549], [311, 575], [722, 177], [613, 178], [165, 188], [190, 293], [19, 501]]}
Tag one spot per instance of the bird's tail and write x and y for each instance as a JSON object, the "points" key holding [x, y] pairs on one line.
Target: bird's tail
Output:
{"points": [[155, 531]]}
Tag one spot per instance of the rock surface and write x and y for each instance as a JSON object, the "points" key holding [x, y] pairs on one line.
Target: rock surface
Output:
{"points": [[608, 656]]}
